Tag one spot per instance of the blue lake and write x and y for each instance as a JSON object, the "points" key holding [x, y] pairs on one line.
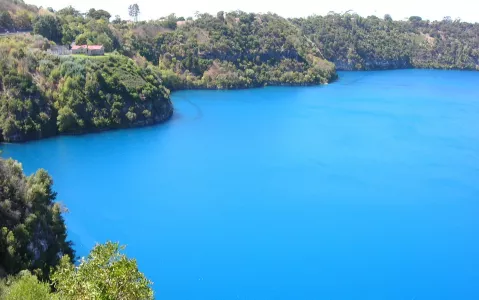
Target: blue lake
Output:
{"points": [[364, 189]]}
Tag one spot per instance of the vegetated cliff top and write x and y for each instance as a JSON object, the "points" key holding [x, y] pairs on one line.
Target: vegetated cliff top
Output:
{"points": [[354, 42], [241, 50], [43, 95]]}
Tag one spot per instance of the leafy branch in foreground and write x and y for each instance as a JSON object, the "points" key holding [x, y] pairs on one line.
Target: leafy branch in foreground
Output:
{"points": [[105, 274]]}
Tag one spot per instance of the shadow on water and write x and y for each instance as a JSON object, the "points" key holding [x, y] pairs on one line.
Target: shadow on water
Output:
{"points": [[199, 112]]}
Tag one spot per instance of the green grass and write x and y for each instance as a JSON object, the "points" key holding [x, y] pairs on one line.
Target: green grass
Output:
{"points": [[99, 57]]}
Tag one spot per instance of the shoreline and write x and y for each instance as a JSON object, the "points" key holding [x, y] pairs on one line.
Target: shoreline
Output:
{"points": [[171, 114]]}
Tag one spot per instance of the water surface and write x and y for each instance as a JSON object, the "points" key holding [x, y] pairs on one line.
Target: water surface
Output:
{"points": [[363, 189]]}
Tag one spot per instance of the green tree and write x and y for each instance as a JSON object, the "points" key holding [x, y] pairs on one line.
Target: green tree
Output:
{"points": [[49, 27], [33, 233], [6, 21], [82, 39], [117, 20], [68, 11], [106, 41], [415, 19], [105, 274], [67, 119], [98, 14], [134, 11], [221, 16], [169, 21], [23, 20]]}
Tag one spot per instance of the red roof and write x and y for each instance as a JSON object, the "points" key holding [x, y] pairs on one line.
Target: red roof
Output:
{"points": [[91, 47]]}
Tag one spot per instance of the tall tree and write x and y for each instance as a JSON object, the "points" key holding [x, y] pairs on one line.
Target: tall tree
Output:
{"points": [[6, 21], [221, 16], [134, 11], [49, 27]]}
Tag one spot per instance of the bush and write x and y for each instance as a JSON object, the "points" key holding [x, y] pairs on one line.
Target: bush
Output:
{"points": [[24, 286], [105, 274]]}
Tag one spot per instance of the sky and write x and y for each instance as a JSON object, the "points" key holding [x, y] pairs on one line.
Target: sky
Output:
{"points": [[466, 10]]}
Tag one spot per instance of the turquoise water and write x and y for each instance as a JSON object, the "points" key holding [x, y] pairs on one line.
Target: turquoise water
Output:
{"points": [[364, 189]]}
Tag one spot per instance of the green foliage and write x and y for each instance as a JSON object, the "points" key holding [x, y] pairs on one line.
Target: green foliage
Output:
{"points": [[105, 274], [415, 19], [92, 29], [43, 95], [211, 52], [354, 42], [105, 40], [237, 51], [6, 21], [221, 16], [98, 14], [16, 15], [169, 22], [68, 11], [33, 233], [49, 27], [23, 20], [24, 286]]}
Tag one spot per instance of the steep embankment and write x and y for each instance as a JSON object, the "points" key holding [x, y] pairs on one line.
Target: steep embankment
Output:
{"points": [[356, 43], [43, 95]]}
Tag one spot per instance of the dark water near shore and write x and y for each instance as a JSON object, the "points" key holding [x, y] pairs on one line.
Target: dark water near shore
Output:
{"points": [[364, 189]]}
